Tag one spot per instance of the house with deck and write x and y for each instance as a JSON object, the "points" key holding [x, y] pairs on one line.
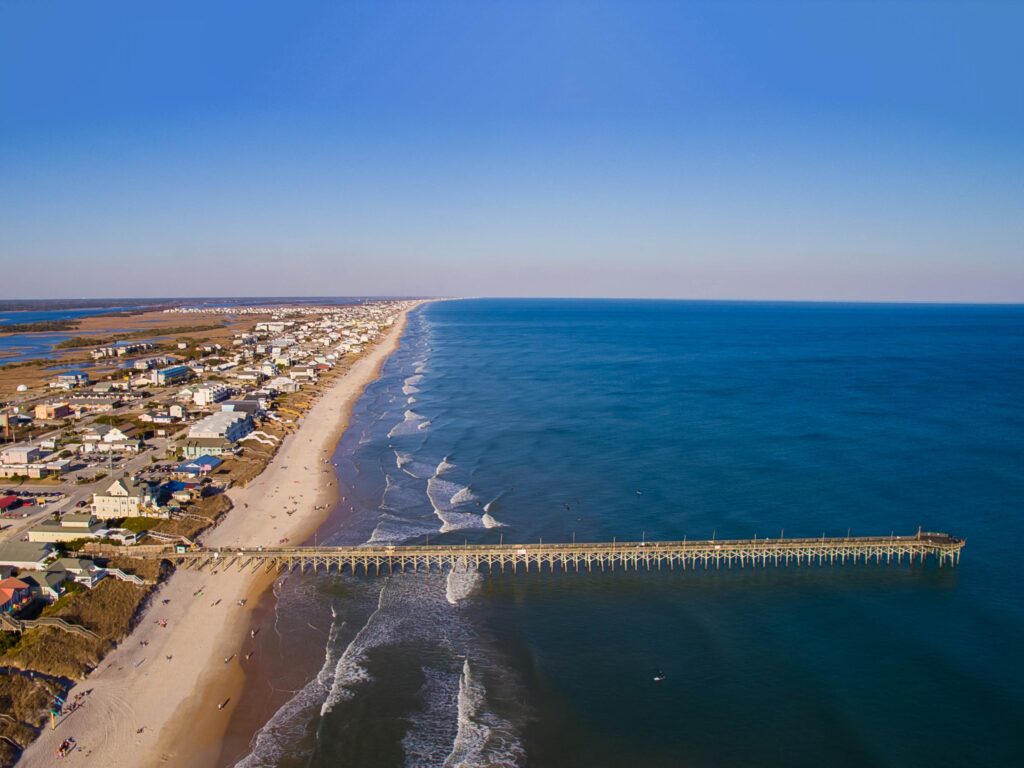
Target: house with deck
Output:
{"points": [[123, 498], [15, 594]]}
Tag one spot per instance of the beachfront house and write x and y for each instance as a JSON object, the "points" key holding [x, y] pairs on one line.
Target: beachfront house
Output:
{"points": [[123, 498], [121, 536], [84, 572], [71, 526], [306, 372], [250, 405], [217, 434], [282, 384], [25, 555], [15, 594], [46, 585], [200, 466]]}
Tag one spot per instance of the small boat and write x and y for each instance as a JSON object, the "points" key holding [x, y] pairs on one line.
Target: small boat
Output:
{"points": [[659, 676], [223, 703]]}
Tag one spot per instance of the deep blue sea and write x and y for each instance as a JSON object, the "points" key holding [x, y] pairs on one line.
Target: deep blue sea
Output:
{"points": [[526, 420]]}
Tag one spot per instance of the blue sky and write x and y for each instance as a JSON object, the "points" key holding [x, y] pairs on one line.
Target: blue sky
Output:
{"points": [[821, 150]]}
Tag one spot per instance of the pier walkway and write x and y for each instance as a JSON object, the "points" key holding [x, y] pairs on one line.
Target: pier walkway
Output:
{"points": [[369, 559]]}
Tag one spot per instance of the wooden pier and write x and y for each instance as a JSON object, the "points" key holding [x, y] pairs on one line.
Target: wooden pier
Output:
{"points": [[652, 555]]}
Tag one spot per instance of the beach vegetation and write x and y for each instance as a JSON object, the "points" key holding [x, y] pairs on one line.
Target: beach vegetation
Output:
{"points": [[107, 609], [55, 653], [14, 737], [150, 570], [8, 640], [139, 524], [71, 588], [23, 697], [199, 516]]}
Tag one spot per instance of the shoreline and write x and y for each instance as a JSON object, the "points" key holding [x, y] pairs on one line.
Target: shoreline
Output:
{"points": [[154, 698]]}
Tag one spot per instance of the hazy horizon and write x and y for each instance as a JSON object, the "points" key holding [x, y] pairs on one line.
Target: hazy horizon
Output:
{"points": [[312, 297], [713, 151]]}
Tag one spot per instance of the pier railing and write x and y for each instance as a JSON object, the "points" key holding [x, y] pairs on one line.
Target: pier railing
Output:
{"points": [[728, 553]]}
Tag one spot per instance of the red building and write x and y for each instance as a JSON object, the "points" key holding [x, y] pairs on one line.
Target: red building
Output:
{"points": [[14, 595]]}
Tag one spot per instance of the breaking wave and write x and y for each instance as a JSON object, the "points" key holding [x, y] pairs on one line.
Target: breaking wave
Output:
{"points": [[483, 738], [349, 671], [409, 424], [464, 496], [461, 583], [407, 463], [395, 530], [443, 495]]}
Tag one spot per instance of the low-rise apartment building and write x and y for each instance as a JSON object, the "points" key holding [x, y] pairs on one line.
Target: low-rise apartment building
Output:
{"points": [[217, 434]]}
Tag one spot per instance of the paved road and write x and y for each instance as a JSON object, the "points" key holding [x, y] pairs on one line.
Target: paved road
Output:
{"points": [[15, 528]]}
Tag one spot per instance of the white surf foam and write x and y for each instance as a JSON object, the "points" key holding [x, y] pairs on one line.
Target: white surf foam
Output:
{"points": [[441, 493], [394, 530], [483, 739], [489, 520], [349, 670], [398, 497], [462, 582], [444, 466], [464, 496], [407, 463], [428, 739], [410, 422]]}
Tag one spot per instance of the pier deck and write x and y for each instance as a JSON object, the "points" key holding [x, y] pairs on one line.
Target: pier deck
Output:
{"points": [[941, 547]]}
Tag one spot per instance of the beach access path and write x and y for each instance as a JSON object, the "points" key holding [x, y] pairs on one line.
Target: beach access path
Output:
{"points": [[154, 699]]}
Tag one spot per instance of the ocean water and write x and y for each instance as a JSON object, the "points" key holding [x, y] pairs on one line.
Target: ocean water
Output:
{"points": [[526, 420]]}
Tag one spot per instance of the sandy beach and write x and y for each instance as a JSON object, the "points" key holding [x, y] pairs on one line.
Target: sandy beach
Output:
{"points": [[154, 700]]}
